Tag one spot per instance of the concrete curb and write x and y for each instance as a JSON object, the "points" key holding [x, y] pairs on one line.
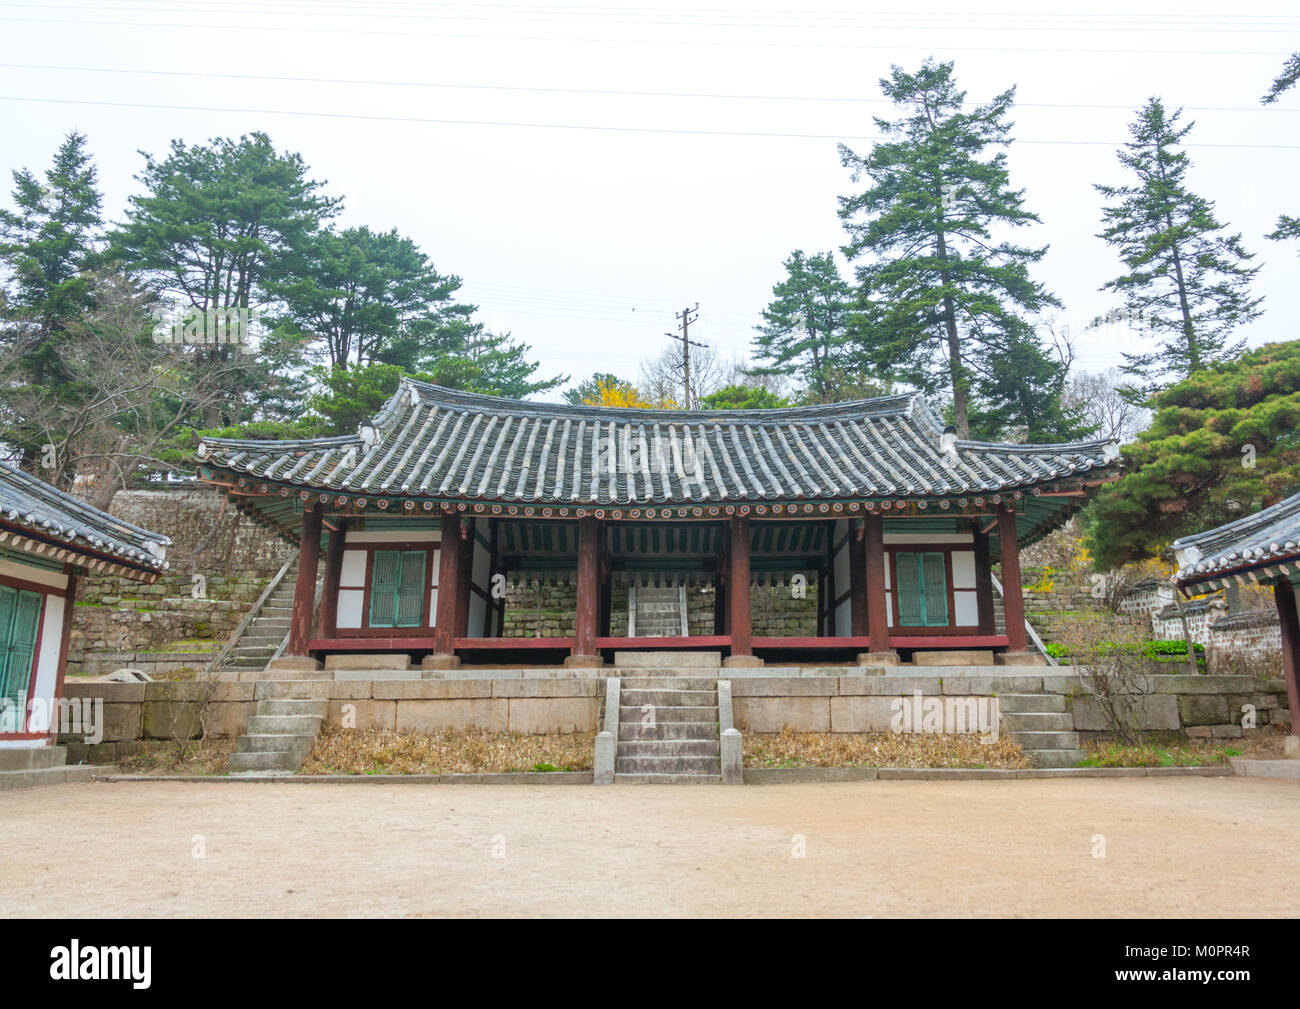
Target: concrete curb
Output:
{"points": [[513, 778]]}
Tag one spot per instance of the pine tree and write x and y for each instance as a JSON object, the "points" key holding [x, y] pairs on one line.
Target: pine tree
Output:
{"points": [[805, 325], [1186, 281], [941, 302], [1287, 226], [48, 245]]}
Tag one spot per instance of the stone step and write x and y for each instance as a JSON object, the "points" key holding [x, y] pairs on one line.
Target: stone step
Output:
{"points": [[669, 713], [1055, 758], [251, 650], [708, 683], [271, 641], [667, 730], [669, 697], [1037, 721], [1031, 702], [264, 761], [1045, 740], [668, 660], [293, 725], [668, 765], [293, 706], [258, 743], [668, 779], [668, 748]]}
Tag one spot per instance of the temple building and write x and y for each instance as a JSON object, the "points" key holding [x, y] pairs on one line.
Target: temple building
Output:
{"points": [[875, 510], [47, 539], [1261, 549]]}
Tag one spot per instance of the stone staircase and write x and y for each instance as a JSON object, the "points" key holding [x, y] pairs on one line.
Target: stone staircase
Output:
{"points": [[1042, 727], [675, 739], [268, 628], [656, 612], [280, 736]]}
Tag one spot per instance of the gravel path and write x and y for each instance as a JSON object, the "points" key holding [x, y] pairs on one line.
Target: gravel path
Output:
{"points": [[1188, 846]]}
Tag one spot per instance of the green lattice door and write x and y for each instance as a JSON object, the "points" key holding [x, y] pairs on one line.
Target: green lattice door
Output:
{"points": [[397, 588], [20, 618]]}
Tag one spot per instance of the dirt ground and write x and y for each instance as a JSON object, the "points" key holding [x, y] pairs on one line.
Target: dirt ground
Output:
{"points": [[1186, 846]]}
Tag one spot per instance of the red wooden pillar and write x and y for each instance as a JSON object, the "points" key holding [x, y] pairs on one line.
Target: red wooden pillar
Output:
{"points": [[857, 581], [1285, 597], [465, 582], [984, 583], [304, 590], [873, 546], [738, 624], [588, 603], [1013, 602], [450, 565], [330, 592]]}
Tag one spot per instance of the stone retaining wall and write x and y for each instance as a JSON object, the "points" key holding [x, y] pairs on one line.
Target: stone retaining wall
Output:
{"points": [[1200, 706], [159, 711], [822, 699], [233, 557]]}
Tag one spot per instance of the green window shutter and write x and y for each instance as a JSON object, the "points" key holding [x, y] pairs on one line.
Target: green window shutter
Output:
{"points": [[934, 577], [20, 618], [385, 577], [911, 611], [410, 590]]}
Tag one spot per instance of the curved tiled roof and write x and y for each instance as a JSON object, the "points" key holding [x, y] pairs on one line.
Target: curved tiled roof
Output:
{"points": [[31, 506], [433, 442], [1260, 542]]}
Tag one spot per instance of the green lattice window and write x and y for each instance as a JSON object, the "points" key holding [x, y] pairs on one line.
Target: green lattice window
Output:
{"points": [[397, 588], [922, 589]]}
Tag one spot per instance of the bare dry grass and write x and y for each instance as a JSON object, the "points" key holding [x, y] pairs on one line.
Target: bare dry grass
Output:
{"points": [[1173, 750], [879, 749], [461, 751], [194, 756]]}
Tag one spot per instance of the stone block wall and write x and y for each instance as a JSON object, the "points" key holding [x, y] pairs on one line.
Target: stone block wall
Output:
{"points": [[135, 712], [232, 556], [548, 609]]}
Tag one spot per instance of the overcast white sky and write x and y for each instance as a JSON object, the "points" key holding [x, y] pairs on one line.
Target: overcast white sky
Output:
{"points": [[442, 120]]}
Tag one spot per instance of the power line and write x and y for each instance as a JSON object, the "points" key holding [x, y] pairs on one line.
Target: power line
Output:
{"points": [[373, 82], [954, 22], [678, 41], [578, 126]]}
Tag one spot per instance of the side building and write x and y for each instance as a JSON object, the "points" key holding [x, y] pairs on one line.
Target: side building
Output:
{"points": [[48, 539]]}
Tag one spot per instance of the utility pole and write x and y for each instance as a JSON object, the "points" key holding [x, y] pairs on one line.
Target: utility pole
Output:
{"points": [[685, 317]]}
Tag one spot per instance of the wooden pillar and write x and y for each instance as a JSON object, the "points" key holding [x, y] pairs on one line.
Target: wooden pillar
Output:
{"points": [[873, 535], [858, 580], [464, 584], [329, 597], [1013, 601], [984, 583], [588, 602], [304, 591], [1284, 595], [450, 551], [738, 624]]}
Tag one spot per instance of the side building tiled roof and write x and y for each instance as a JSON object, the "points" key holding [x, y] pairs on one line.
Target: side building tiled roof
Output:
{"points": [[1260, 546], [430, 442], [37, 518]]}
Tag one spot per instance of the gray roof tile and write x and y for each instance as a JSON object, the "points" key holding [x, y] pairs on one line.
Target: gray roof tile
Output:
{"points": [[435, 442]]}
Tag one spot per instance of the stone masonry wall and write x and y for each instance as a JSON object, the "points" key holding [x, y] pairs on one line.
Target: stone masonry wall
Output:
{"points": [[541, 609], [233, 556]]}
